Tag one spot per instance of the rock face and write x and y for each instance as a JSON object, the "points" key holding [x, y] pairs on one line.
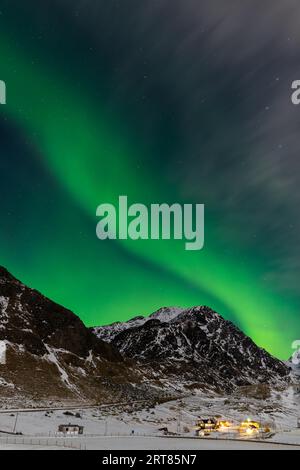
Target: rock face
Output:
{"points": [[29, 319], [50, 354], [194, 344]]}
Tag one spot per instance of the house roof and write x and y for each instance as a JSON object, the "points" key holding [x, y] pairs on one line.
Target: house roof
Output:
{"points": [[70, 425]]}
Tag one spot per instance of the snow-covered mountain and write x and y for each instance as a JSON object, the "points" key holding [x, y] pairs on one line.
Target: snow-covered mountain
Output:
{"points": [[108, 332], [194, 344], [51, 355]]}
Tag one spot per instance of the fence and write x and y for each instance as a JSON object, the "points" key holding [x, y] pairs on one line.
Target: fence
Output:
{"points": [[43, 442], [103, 434]]}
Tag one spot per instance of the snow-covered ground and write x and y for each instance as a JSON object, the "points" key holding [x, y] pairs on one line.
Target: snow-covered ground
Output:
{"points": [[135, 427], [150, 443], [28, 447]]}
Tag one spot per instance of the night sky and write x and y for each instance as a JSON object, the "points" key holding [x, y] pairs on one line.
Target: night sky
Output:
{"points": [[163, 101]]}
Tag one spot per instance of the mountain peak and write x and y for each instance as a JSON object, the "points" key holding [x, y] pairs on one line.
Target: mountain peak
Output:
{"points": [[49, 343], [196, 344]]}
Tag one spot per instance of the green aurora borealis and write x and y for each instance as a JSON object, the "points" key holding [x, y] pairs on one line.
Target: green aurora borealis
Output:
{"points": [[104, 100]]}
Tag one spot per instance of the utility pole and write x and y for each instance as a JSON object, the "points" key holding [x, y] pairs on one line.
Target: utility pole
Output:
{"points": [[15, 425], [178, 423]]}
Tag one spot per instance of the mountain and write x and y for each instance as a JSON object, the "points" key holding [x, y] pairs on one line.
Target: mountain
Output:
{"points": [[194, 345], [51, 355]]}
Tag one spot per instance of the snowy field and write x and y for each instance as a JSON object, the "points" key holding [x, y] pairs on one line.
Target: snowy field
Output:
{"points": [[137, 427], [28, 447], [146, 443], [159, 444]]}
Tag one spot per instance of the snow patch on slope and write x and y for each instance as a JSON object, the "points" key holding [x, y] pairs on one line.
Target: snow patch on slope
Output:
{"points": [[108, 332], [166, 314], [51, 357]]}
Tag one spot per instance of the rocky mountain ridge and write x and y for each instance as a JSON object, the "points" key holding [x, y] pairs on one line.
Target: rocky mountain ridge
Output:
{"points": [[194, 344]]}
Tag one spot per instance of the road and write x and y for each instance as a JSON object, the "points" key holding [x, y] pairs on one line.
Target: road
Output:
{"points": [[70, 407]]}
